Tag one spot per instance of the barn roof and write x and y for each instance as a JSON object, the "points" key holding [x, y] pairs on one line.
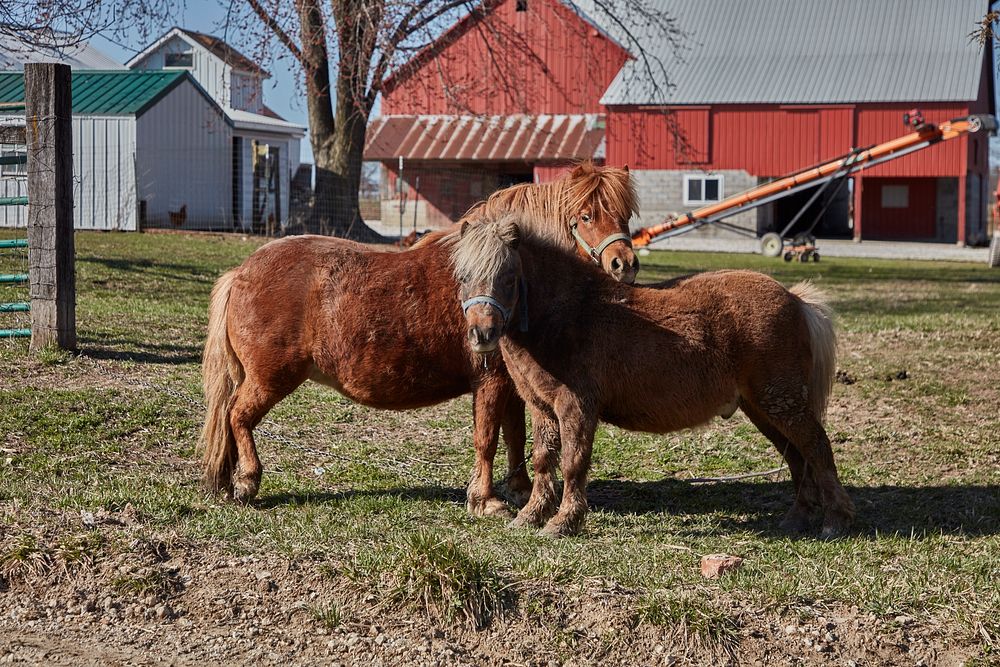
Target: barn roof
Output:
{"points": [[491, 138], [48, 47], [805, 52], [114, 93]]}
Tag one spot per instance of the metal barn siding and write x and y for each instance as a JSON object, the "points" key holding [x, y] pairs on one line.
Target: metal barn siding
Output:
{"points": [[916, 220], [104, 173], [103, 176], [562, 65], [774, 140], [184, 160]]}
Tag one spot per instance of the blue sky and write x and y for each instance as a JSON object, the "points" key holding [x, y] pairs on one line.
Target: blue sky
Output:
{"points": [[281, 91]]}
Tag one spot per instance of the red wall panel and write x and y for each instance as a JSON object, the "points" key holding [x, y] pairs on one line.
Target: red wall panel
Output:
{"points": [[558, 64], [916, 221], [771, 140]]}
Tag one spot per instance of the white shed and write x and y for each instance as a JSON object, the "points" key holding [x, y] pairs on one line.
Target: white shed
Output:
{"points": [[265, 148], [182, 139], [149, 149]]}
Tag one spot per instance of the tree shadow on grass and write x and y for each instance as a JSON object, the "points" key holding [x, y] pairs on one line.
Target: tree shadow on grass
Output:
{"points": [[755, 506]]}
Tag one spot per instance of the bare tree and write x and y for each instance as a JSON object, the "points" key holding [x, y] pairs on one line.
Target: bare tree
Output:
{"points": [[346, 49]]}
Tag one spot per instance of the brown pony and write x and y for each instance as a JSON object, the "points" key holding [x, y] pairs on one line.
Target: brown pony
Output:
{"points": [[655, 359], [382, 328]]}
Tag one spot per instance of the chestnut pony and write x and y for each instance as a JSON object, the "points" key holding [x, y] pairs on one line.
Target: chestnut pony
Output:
{"points": [[384, 329], [656, 359]]}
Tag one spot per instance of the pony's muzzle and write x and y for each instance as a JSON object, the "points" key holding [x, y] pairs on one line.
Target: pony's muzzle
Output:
{"points": [[484, 339], [624, 267]]}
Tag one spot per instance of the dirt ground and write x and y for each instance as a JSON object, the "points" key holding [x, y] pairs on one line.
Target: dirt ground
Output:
{"points": [[214, 609]]}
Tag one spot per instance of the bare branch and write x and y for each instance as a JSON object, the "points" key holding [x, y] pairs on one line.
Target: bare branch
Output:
{"points": [[271, 22]]}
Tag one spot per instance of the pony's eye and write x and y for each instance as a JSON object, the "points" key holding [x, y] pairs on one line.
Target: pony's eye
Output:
{"points": [[585, 218]]}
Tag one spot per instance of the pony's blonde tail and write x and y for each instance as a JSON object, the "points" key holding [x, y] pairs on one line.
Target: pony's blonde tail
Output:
{"points": [[822, 342], [221, 373]]}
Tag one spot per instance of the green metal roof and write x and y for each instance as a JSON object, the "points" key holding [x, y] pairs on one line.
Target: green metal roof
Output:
{"points": [[112, 93]]}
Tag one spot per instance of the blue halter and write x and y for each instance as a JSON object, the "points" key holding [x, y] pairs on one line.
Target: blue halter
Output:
{"points": [[504, 311]]}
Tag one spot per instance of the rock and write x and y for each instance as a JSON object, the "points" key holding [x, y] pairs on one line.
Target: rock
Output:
{"points": [[714, 566], [789, 629]]}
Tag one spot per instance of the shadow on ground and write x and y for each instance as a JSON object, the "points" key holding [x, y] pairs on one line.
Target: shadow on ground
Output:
{"points": [[146, 353], [755, 506]]}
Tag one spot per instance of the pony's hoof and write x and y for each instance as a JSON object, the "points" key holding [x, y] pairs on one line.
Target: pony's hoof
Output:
{"points": [[517, 497], [834, 527], [557, 528], [794, 523], [517, 490], [489, 507], [526, 520], [245, 490]]}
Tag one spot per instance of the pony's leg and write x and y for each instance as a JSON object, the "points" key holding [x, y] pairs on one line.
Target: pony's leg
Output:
{"points": [[251, 402], [788, 412], [518, 487], [576, 431], [543, 501], [487, 400], [807, 498]]}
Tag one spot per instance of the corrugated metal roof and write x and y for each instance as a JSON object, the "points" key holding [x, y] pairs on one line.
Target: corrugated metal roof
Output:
{"points": [[15, 52], [118, 93], [803, 52], [490, 138]]}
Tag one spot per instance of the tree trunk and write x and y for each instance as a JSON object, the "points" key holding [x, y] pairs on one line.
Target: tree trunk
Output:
{"points": [[338, 138]]}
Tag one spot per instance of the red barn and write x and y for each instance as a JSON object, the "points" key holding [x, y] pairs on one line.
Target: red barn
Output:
{"points": [[756, 89]]}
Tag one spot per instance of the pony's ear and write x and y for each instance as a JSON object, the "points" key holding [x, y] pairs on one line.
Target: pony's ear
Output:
{"points": [[625, 169], [511, 235], [465, 228]]}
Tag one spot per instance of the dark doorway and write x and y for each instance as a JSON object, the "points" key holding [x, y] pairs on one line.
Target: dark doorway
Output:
{"points": [[834, 223], [505, 180]]}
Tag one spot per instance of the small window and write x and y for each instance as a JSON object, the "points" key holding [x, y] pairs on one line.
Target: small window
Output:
{"points": [[13, 163], [179, 60], [522, 5], [699, 189], [895, 196]]}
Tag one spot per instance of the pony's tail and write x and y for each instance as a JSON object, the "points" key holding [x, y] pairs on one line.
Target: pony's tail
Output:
{"points": [[822, 342], [221, 373]]}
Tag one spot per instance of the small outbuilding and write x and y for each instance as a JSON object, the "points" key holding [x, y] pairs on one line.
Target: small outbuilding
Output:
{"points": [[181, 139]]}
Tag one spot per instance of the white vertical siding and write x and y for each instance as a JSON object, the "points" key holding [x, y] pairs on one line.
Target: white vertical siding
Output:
{"points": [[211, 73], [248, 93], [103, 176], [12, 184], [184, 159], [104, 194]]}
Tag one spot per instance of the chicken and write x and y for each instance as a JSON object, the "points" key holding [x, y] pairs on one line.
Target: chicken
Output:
{"points": [[178, 218]]}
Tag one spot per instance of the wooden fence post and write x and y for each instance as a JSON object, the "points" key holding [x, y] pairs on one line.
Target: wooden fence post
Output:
{"points": [[48, 132]]}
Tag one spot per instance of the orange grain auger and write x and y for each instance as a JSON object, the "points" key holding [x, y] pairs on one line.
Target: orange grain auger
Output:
{"points": [[832, 173]]}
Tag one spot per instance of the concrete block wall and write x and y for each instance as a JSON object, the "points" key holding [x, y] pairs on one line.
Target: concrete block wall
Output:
{"points": [[661, 193]]}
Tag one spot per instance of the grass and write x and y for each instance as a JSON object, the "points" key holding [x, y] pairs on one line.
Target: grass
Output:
{"points": [[381, 494]]}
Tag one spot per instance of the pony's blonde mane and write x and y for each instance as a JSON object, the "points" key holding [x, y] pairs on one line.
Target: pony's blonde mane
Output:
{"points": [[547, 207], [483, 250]]}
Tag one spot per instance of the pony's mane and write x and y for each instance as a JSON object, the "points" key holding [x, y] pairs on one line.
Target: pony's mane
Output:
{"points": [[481, 252], [547, 206]]}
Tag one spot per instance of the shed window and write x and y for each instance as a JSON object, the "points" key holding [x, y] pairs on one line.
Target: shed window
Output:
{"points": [[13, 165], [895, 196], [701, 189], [179, 60], [521, 6]]}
